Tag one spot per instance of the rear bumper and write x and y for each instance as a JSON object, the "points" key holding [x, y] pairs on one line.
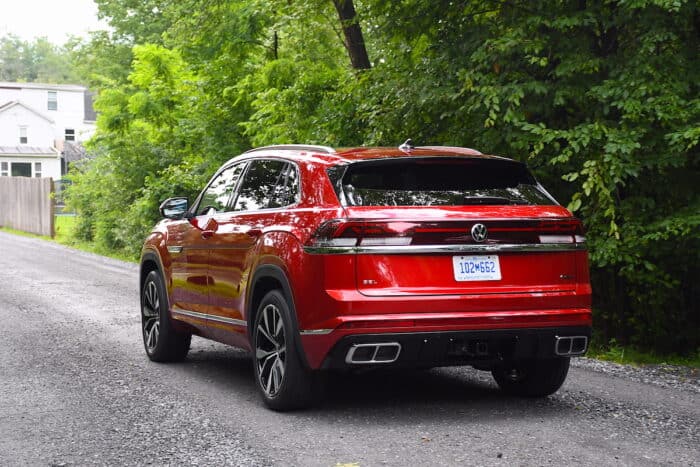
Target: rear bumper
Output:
{"points": [[483, 349], [425, 339]]}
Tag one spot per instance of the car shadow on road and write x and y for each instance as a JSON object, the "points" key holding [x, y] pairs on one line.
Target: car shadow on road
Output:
{"points": [[399, 394], [426, 394]]}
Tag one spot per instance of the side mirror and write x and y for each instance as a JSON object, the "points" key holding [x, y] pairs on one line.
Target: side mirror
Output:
{"points": [[174, 208]]}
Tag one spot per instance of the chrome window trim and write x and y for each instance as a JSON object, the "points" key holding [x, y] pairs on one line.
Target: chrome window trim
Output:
{"points": [[220, 319], [423, 249]]}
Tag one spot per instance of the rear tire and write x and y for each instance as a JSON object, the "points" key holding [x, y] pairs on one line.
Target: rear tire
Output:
{"points": [[282, 379], [160, 339], [532, 378]]}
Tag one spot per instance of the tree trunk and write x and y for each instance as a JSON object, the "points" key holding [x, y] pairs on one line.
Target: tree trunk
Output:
{"points": [[354, 42]]}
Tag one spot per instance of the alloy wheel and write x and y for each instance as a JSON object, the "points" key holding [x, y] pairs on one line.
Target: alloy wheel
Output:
{"points": [[151, 316], [270, 350]]}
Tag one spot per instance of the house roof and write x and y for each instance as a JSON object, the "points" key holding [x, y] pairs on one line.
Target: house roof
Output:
{"points": [[28, 150], [49, 87], [9, 105]]}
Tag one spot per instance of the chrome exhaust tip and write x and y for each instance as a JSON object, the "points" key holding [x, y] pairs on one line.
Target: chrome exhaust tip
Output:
{"points": [[569, 346], [366, 354]]}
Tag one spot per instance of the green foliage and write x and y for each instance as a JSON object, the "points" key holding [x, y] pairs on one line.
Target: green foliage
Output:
{"points": [[614, 352], [34, 61], [600, 98]]}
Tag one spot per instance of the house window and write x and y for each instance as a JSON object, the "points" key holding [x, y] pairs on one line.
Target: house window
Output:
{"points": [[37, 169], [4, 168], [21, 169], [23, 135], [70, 134], [53, 100]]}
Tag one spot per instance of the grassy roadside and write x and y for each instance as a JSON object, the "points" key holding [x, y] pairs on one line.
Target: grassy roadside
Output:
{"points": [[64, 226], [614, 352], [611, 351]]}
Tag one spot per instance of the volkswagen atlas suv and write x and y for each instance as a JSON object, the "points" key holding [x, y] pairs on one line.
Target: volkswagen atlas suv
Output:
{"points": [[316, 259]]}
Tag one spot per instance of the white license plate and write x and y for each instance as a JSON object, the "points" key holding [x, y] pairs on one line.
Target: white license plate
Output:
{"points": [[476, 268]]}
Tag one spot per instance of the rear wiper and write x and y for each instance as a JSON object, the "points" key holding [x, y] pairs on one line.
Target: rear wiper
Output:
{"points": [[490, 200]]}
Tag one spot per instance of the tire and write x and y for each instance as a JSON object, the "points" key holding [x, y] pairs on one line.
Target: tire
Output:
{"points": [[281, 377], [160, 339], [532, 378]]}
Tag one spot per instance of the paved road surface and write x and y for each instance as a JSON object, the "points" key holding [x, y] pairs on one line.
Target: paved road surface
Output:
{"points": [[77, 389]]}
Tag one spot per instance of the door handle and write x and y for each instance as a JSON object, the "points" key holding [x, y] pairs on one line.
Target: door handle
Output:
{"points": [[207, 234]]}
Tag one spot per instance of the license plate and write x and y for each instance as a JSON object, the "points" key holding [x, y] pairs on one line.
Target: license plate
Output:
{"points": [[476, 268]]}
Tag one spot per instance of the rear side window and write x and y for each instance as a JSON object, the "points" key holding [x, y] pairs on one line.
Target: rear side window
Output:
{"points": [[268, 184], [439, 181]]}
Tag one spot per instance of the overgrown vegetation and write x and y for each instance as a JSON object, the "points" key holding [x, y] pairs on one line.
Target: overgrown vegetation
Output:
{"points": [[601, 99]]}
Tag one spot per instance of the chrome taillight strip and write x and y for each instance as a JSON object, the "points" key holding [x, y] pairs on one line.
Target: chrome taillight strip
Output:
{"points": [[438, 249]]}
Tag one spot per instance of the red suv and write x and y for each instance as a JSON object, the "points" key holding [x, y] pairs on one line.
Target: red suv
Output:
{"points": [[315, 258]]}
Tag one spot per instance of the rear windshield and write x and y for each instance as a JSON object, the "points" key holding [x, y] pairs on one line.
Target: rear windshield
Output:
{"points": [[437, 181]]}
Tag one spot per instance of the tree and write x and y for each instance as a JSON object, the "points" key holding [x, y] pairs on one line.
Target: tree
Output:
{"points": [[36, 61], [601, 99], [354, 41]]}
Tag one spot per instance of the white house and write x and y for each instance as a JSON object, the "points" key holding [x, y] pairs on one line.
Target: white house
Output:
{"points": [[36, 120]]}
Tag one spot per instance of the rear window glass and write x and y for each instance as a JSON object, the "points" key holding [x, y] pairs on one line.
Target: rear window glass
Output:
{"points": [[438, 181]]}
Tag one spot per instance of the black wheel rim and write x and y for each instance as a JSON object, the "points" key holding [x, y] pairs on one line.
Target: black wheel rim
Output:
{"points": [[150, 316], [270, 350]]}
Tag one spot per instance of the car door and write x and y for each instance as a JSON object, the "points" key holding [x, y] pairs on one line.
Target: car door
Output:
{"points": [[235, 245], [190, 247]]}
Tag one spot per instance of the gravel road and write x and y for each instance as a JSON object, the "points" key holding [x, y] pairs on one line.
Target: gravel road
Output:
{"points": [[77, 389]]}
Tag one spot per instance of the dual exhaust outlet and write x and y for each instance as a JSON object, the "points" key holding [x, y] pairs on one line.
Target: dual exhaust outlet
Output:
{"points": [[568, 346], [365, 354]]}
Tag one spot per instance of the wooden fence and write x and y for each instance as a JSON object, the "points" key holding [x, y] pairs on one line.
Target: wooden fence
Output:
{"points": [[27, 204]]}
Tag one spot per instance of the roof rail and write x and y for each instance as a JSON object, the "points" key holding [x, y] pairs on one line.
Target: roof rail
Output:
{"points": [[294, 147]]}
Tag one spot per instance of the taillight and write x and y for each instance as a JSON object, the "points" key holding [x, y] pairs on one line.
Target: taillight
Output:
{"points": [[561, 231], [352, 233], [341, 233]]}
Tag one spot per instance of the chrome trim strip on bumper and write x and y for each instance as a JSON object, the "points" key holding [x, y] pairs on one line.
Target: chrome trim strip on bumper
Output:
{"points": [[422, 249], [315, 332], [220, 319]]}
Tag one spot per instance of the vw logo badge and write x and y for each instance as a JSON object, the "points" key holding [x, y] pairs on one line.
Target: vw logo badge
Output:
{"points": [[479, 232]]}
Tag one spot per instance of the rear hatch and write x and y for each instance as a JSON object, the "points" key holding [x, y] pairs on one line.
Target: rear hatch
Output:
{"points": [[446, 226]]}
